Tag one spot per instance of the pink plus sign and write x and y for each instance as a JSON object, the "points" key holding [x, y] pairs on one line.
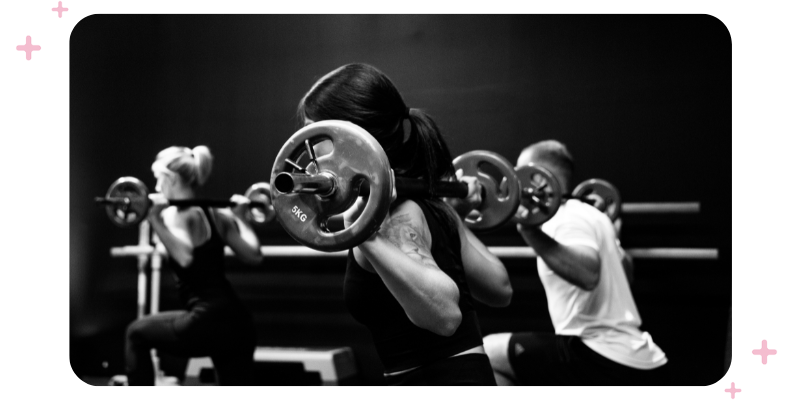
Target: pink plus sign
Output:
{"points": [[733, 390], [28, 48], [60, 9], [764, 352]]}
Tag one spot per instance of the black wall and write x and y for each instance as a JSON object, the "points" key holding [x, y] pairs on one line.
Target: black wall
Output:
{"points": [[642, 101]]}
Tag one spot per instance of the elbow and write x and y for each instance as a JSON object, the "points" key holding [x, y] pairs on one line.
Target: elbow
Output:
{"points": [[504, 299], [591, 275], [444, 324], [184, 260], [449, 325], [505, 293], [249, 255], [590, 282], [501, 296]]}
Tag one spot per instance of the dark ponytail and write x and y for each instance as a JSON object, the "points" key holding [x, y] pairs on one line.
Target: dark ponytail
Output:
{"points": [[429, 154], [433, 162], [363, 95]]}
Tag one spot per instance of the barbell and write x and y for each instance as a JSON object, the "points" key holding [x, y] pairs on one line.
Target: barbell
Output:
{"points": [[127, 202], [308, 190]]}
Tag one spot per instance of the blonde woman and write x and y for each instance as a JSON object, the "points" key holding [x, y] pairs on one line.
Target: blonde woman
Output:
{"points": [[214, 322]]}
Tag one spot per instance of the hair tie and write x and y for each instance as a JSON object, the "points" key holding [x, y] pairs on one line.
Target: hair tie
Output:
{"points": [[408, 112]]}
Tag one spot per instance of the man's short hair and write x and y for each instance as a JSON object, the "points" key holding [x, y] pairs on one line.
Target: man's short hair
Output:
{"points": [[553, 153]]}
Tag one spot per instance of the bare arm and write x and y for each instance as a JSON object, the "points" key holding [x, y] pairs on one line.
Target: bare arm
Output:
{"points": [[577, 264], [240, 237], [400, 253], [486, 274]]}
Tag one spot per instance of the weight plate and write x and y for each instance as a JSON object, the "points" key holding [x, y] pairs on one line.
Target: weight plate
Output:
{"points": [[355, 157], [601, 194], [261, 210], [540, 194], [125, 215], [500, 197]]}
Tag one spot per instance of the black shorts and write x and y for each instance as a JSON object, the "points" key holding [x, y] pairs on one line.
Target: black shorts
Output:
{"points": [[548, 359], [464, 370]]}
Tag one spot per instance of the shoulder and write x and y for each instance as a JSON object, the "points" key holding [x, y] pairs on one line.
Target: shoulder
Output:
{"points": [[592, 215], [409, 218], [183, 216], [408, 211], [572, 215], [576, 216], [576, 210]]}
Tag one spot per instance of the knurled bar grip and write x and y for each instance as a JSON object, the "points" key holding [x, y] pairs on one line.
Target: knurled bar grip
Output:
{"points": [[416, 187], [179, 203], [322, 184]]}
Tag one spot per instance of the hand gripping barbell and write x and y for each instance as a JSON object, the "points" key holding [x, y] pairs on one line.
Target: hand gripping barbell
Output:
{"points": [[127, 202]]}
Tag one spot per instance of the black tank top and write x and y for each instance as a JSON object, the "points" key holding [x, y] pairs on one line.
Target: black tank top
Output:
{"points": [[401, 344], [203, 281]]}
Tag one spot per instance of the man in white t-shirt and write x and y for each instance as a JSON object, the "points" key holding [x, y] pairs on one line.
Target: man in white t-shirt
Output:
{"points": [[597, 340]]}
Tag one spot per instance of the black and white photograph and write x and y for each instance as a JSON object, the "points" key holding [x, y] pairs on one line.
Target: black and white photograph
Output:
{"points": [[413, 200]]}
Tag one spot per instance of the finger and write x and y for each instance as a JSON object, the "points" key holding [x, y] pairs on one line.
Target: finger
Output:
{"points": [[475, 187], [394, 189], [522, 213], [459, 173], [157, 198]]}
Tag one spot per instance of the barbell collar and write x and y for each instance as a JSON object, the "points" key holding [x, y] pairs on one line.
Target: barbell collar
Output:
{"points": [[113, 200], [321, 184]]}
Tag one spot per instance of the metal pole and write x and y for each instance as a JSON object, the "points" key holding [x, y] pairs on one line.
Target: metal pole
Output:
{"points": [[141, 286]]}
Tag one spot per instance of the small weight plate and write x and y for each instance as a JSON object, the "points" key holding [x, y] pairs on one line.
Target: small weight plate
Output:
{"points": [[125, 215], [355, 157], [500, 197], [601, 194], [261, 210], [540, 194]]}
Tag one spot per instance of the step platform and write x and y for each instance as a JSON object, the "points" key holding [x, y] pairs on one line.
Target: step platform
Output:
{"points": [[286, 366]]}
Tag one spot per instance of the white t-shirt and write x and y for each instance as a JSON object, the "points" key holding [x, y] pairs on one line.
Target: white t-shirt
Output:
{"points": [[606, 317]]}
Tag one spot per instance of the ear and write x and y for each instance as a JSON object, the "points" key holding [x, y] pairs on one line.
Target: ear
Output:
{"points": [[171, 178]]}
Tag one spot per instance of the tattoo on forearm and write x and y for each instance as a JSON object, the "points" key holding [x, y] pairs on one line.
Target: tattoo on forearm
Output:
{"points": [[401, 232]]}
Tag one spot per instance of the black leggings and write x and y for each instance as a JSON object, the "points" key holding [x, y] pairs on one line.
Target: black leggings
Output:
{"points": [[540, 358], [197, 333], [463, 370]]}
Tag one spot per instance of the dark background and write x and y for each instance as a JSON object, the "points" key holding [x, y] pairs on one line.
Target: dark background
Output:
{"points": [[641, 101]]}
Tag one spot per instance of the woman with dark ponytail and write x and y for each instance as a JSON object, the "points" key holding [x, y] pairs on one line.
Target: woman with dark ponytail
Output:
{"points": [[214, 322], [414, 282]]}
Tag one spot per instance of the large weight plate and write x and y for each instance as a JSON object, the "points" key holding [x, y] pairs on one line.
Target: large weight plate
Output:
{"points": [[261, 211], [355, 157], [500, 197], [540, 194], [601, 194], [125, 215]]}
